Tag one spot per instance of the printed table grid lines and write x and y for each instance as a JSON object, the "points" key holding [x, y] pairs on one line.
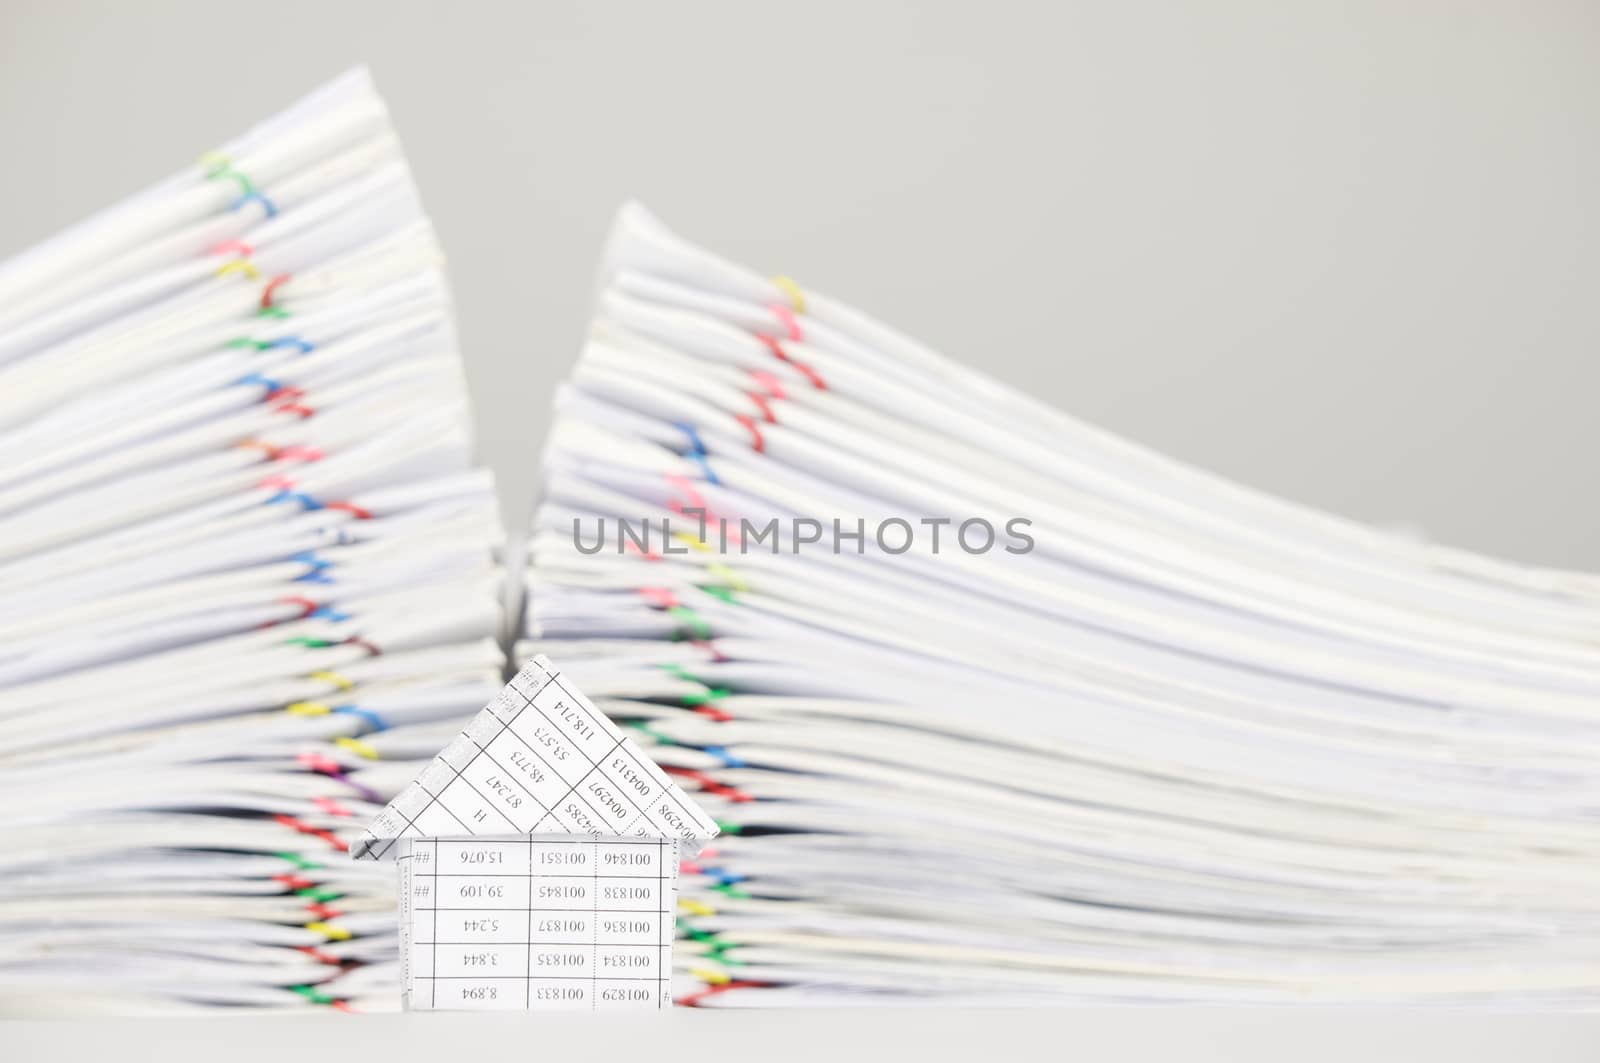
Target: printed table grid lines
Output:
{"points": [[593, 767], [433, 799], [434, 988], [535, 838], [511, 775], [571, 790], [594, 788], [463, 779], [547, 908], [475, 940], [661, 918], [594, 923], [627, 747], [410, 825], [596, 935], [542, 944], [541, 978], [667, 788], [527, 965]]}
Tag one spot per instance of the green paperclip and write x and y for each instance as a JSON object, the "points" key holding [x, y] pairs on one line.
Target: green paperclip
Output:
{"points": [[219, 166], [313, 994], [680, 671], [320, 894], [299, 861], [691, 619], [644, 728]]}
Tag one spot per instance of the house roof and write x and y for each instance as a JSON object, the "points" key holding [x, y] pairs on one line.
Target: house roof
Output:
{"points": [[539, 759]]}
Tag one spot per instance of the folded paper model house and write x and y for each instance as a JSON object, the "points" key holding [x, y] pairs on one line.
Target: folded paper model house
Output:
{"points": [[538, 860]]}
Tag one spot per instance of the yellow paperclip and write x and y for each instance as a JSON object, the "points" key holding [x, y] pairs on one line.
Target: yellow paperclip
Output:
{"points": [[694, 907], [308, 708], [331, 932], [215, 162], [796, 297], [358, 747], [342, 682], [710, 977], [240, 265], [693, 542], [728, 576]]}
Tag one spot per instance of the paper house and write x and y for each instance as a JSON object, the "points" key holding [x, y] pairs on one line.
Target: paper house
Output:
{"points": [[538, 860]]}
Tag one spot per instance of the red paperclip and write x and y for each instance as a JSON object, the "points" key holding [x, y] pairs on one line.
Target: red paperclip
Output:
{"points": [[801, 367], [271, 288], [359, 512], [316, 832], [660, 597], [790, 322], [757, 442], [304, 603], [766, 407]]}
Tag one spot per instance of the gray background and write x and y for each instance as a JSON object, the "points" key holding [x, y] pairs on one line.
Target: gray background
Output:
{"points": [[1342, 251]]}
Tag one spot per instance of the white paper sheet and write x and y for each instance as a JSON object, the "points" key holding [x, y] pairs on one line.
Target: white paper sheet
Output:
{"points": [[541, 923], [539, 759], [538, 860]]}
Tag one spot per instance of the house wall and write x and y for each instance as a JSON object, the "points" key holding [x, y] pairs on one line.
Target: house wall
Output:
{"points": [[542, 922]]}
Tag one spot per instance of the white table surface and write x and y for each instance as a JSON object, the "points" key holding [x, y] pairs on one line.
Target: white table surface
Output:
{"points": [[1193, 1035]]}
